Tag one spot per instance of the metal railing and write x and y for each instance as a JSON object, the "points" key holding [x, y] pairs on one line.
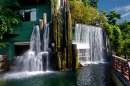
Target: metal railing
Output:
{"points": [[122, 66]]}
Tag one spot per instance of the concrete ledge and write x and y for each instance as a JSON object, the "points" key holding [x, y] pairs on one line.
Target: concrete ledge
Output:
{"points": [[118, 79]]}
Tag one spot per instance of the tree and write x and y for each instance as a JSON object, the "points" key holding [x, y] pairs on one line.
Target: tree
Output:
{"points": [[112, 17], [125, 28], [102, 17], [86, 2], [83, 14], [115, 36], [93, 3], [8, 18]]}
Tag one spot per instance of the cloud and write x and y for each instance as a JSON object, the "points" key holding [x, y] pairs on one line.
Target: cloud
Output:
{"points": [[124, 11], [125, 14], [117, 9], [122, 8]]}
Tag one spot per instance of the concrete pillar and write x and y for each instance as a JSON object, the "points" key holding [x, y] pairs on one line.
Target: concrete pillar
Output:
{"points": [[44, 18], [41, 23]]}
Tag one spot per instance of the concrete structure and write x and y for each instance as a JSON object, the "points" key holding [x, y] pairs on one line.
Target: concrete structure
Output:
{"points": [[118, 79]]}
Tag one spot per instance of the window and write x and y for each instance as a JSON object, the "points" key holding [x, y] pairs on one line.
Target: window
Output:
{"points": [[28, 14]]}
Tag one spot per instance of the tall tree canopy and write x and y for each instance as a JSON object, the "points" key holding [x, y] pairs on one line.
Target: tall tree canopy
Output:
{"points": [[82, 13], [125, 28], [112, 17]]}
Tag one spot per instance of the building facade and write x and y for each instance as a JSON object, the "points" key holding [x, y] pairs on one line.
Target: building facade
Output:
{"points": [[30, 11]]}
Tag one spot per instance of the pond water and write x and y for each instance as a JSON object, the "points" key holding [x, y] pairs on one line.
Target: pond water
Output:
{"points": [[90, 75]]}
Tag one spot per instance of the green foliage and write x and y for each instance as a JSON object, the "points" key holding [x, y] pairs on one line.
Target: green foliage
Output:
{"points": [[119, 37], [93, 3], [3, 45], [102, 17], [115, 36], [83, 14], [86, 2], [125, 45], [112, 17], [8, 19], [54, 3], [109, 30], [125, 28]]}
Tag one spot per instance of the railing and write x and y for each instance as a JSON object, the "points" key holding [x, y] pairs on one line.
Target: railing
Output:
{"points": [[122, 66]]}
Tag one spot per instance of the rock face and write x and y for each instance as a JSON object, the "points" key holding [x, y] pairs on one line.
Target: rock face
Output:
{"points": [[62, 36]]}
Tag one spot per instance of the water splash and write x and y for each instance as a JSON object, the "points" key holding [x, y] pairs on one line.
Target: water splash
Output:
{"points": [[36, 58], [89, 40]]}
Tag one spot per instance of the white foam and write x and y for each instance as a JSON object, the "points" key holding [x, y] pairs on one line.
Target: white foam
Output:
{"points": [[20, 75]]}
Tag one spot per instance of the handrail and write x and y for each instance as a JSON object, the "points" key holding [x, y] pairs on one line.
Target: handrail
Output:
{"points": [[122, 66], [129, 70]]}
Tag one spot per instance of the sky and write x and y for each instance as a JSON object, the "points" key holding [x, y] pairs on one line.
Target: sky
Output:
{"points": [[120, 6]]}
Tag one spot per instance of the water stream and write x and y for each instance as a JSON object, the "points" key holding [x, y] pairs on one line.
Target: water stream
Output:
{"points": [[89, 40]]}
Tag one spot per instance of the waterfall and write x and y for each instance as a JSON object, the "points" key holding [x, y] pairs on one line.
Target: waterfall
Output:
{"points": [[89, 40], [45, 46], [36, 58], [35, 42], [46, 37]]}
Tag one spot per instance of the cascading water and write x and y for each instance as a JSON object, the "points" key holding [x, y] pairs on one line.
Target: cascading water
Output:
{"points": [[89, 40], [45, 47], [46, 38], [36, 58]]}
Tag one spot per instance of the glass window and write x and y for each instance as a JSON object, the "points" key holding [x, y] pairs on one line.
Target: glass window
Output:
{"points": [[33, 14], [28, 14]]}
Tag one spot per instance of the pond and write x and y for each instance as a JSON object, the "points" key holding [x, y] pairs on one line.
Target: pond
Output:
{"points": [[90, 75]]}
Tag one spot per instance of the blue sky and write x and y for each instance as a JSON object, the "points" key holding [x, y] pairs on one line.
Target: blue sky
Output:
{"points": [[120, 6]]}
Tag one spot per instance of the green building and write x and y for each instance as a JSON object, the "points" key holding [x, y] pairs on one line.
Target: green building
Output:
{"points": [[30, 11]]}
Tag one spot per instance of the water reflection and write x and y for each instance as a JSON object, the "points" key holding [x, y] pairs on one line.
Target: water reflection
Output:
{"points": [[91, 75], [95, 75]]}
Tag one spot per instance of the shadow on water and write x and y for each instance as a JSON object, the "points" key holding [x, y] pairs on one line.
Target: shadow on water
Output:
{"points": [[90, 75]]}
